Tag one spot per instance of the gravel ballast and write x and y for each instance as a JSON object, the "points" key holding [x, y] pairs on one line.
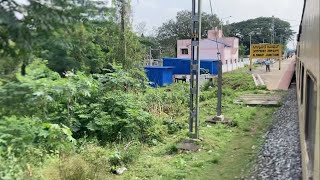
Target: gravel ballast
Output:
{"points": [[280, 157]]}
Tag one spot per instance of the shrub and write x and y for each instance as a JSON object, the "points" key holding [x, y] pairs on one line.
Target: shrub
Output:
{"points": [[90, 163], [240, 80], [108, 107], [72, 167], [124, 80], [120, 117], [171, 100], [173, 126], [10, 167], [172, 149], [125, 156], [207, 85], [18, 134], [24, 142]]}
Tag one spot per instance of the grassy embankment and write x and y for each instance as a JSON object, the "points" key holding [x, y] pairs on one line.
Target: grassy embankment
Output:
{"points": [[227, 151]]}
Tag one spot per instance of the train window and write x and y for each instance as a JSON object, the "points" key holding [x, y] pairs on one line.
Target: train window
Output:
{"points": [[301, 84], [310, 123], [299, 70], [298, 74]]}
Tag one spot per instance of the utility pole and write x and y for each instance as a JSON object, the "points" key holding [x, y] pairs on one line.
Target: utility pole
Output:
{"points": [[272, 35], [250, 38], [250, 34], [219, 104], [195, 69], [221, 22], [150, 63]]}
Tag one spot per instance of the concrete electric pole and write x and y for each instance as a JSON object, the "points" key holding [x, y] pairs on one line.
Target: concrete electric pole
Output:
{"points": [[272, 35], [250, 39], [195, 69]]}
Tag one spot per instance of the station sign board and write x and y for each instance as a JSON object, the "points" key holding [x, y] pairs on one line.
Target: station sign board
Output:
{"points": [[265, 51]]}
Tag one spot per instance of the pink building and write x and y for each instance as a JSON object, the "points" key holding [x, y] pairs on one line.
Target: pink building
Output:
{"points": [[228, 47]]}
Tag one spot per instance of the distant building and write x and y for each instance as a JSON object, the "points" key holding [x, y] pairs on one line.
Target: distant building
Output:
{"points": [[227, 46]]}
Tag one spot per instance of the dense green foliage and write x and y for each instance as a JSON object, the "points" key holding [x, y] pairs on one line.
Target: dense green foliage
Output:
{"points": [[99, 105], [81, 126], [69, 36], [75, 102], [64, 84], [261, 30], [42, 113], [226, 150]]}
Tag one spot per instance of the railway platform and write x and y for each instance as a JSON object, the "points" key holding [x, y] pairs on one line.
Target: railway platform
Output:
{"points": [[277, 79]]}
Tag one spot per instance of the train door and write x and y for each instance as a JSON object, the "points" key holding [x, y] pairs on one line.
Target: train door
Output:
{"points": [[310, 123]]}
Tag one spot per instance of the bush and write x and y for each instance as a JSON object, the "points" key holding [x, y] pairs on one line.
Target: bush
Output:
{"points": [[125, 156], [72, 167], [25, 142], [240, 80], [107, 107], [170, 101], [119, 118], [11, 167], [90, 163], [75, 168], [19, 135], [173, 126], [172, 149], [207, 85], [124, 80]]}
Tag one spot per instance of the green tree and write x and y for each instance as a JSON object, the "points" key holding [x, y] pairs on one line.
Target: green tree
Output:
{"points": [[73, 50], [22, 26], [242, 50], [85, 38], [123, 9], [261, 31], [180, 28]]}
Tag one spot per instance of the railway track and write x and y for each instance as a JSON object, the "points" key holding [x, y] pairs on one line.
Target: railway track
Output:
{"points": [[280, 155]]}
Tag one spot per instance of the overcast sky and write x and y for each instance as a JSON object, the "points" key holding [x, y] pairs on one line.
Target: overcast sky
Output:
{"points": [[156, 12]]}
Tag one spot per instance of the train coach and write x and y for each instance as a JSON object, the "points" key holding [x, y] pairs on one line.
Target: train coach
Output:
{"points": [[308, 89]]}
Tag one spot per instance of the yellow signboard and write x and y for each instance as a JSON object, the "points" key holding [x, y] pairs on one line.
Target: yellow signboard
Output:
{"points": [[263, 51], [266, 51]]}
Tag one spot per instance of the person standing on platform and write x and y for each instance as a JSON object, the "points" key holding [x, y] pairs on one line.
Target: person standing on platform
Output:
{"points": [[267, 63]]}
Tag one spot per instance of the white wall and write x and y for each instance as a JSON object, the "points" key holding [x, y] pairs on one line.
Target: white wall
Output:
{"points": [[231, 67]]}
